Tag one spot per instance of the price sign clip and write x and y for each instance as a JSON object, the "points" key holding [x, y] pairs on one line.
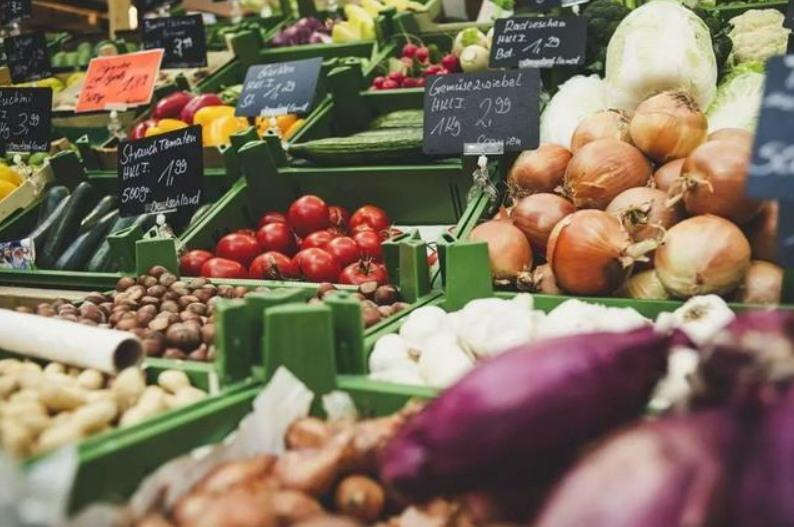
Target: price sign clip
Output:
{"points": [[481, 175]]}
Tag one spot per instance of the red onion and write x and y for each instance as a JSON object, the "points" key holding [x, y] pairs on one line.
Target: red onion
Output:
{"points": [[668, 126], [644, 212], [536, 216], [609, 124], [539, 170], [665, 175], [508, 248], [762, 284]]}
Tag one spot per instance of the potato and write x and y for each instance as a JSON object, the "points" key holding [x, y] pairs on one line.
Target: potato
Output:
{"points": [[13, 410], [173, 381], [30, 379], [185, 396], [91, 379], [25, 395], [54, 367], [8, 385], [128, 387], [15, 438], [59, 397], [95, 416], [9, 365], [58, 436], [152, 401]]}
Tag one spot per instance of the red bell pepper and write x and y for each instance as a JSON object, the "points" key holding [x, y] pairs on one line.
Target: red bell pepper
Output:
{"points": [[197, 103], [139, 130], [170, 106]]}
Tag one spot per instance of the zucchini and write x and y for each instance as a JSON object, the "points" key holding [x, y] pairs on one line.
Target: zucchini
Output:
{"points": [[78, 253], [398, 145], [104, 206], [399, 119], [41, 233], [82, 198], [51, 200], [101, 260]]}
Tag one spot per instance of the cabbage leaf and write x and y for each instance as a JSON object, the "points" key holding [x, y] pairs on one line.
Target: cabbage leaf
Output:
{"points": [[738, 99]]}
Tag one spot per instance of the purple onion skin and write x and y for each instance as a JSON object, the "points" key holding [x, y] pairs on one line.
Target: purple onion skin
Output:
{"points": [[666, 473], [526, 411]]}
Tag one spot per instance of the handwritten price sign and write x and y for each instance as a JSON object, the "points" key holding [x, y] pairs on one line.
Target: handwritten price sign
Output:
{"points": [[120, 82], [25, 119]]}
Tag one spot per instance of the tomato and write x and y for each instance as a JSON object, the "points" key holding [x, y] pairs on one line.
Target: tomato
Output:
{"points": [[317, 265], [369, 244], [308, 214], [317, 239], [190, 264], [360, 228], [362, 272], [249, 232], [276, 237], [223, 268], [345, 250], [273, 266], [339, 218], [238, 247], [432, 258], [372, 216], [272, 217]]}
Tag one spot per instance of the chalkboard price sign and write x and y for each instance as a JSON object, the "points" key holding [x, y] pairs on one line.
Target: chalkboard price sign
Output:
{"points": [[539, 42], [13, 11], [160, 174], [492, 107], [277, 89], [182, 38], [788, 21], [25, 119], [27, 57]]}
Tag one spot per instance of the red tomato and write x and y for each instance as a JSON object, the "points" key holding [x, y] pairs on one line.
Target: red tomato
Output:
{"points": [[339, 218], [238, 247], [317, 265], [317, 239], [372, 216], [308, 214], [223, 268], [369, 244], [273, 266], [361, 228], [344, 249], [249, 232], [190, 264], [271, 217], [276, 237], [362, 272]]}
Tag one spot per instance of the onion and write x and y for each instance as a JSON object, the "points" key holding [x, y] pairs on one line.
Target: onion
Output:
{"points": [[713, 181], [762, 284], [665, 175], [645, 285], [591, 254], [608, 124], [539, 170], [733, 135], [543, 281], [668, 126], [762, 233], [601, 170], [702, 255], [537, 215], [508, 249], [644, 212]]}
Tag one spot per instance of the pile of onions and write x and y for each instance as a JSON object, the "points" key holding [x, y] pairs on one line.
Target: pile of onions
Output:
{"points": [[609, 124], [763, 284], [762, 233], [601, 170], [668, 126], [713, 180], [508, 248], [591, 254], [644, 212], [666, 175], [539, 170], [702, 255], [543, 281], [646, 286], [536, 216], [735, 135]]}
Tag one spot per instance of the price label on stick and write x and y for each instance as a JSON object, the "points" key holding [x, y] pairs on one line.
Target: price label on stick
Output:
{"points": [[12, 11], [27, 57], [120, 82], [539, 42], [277, 89], [25, 115], [182, 38], [493, 107], [162, 173]]}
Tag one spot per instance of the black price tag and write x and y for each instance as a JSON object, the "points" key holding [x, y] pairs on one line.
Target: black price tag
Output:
{"points": [[25, 115], [278, 89], [493, 107], [13, 11], [160, 174], [539, 42], [27, 57], [538, 6], [182, 38]]}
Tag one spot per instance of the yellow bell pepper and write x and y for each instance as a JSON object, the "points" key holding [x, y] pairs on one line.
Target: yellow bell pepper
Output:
{"points": [[208, 114], [283, 123], [293, 128], [164, 126], [10, 175], [221, 129], [6, 188]]}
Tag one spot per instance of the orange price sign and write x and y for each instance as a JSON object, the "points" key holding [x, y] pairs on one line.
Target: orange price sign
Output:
{"points": [[120, 82]]}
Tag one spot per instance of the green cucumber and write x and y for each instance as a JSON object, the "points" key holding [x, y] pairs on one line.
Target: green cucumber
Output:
{"points": [[82, 198], [79, 252], [399, 119], [104, 206], [390, 146], [51, 200], [101, 260], [42, 232]]}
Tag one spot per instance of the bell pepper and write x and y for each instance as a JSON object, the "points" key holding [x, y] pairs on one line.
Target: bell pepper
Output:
{"points": [[165, 126], [206, 115], [293, 129], [221, 129], [171, 106], [139, 130], [283, 123], [197, 103]]}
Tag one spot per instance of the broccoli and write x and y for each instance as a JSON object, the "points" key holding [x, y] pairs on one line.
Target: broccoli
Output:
{"points": [[720, 41], [603, 18]]}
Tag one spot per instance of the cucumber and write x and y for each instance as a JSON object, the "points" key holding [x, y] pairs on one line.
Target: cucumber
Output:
{"points": [[82, 199], [100, 261], [78, 253], [41, 233], [104, 206], [398, 145], [51, 200], [399, 119]]}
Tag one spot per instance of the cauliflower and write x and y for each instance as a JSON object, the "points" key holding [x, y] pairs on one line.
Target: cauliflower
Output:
{"points": [[758, 35]]}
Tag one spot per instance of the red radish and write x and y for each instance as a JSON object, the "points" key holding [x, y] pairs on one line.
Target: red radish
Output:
{"points": [[238, 247], [317, 239], [389, 84], [443, 71], [358, 273], [276, 237], [223, 268], [308, 214], [190, 264], [408, 62], [378, 82], [370, 244], [410, 82], [420, 82], [432, 70], [397, 76], [316, 265], [273, 266], [271, 217], [451, 63], [345, 250], [422, 54], [409, 50]]}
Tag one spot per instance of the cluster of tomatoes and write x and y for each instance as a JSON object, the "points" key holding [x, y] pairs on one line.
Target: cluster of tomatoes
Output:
{"points": [[416, 66], [312, 242]]}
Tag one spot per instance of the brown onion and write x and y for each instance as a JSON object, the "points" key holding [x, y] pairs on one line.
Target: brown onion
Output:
{"points": [[713, 181], [735, 135], [762, 233], [667, 174], [536, 216], [601, 170], [644, 212], [645, 285], [608, 124], [668, 126], [539, 170], [702, 255], [762, 284], [543, 281], [508, 249], [591, 254]]}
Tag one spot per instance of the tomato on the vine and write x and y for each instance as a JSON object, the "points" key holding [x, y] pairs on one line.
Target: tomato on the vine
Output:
{"points": [[191, 262], [370, 215], [308, 214], [369, 243], [317, 265], [276, 237], [345, 249], [223, 268], [247, 232], [273, 265], [271, 217], [362, 272], [238, 247], [317, 239]]}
